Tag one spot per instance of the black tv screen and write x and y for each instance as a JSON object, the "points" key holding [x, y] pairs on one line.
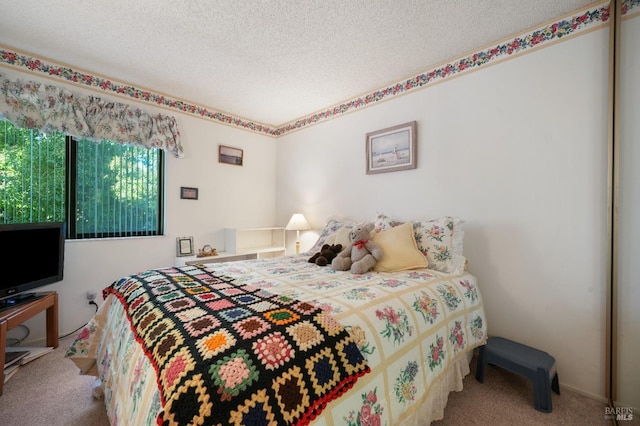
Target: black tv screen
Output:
{"points": [[32, 255]]}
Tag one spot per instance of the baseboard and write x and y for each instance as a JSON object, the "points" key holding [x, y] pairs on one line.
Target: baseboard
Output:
{"points": [[583, 393]]}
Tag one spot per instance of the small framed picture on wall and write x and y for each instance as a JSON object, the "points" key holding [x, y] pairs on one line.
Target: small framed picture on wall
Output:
{"points": [[187, 193], [392, 149], [230, 155]]}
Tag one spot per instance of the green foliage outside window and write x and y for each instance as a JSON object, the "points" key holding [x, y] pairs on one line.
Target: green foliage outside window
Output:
{"points": [[32, 176], [100, 189]]}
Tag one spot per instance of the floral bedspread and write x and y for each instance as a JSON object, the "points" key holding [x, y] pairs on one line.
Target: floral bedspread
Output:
{"points": [[412, 327]]}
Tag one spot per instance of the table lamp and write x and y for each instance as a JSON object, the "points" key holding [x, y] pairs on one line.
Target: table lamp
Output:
{"points": [[297, 223]]}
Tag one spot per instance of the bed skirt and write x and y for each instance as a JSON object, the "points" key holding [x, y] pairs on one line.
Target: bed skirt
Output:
{"points": [[432, 408]]}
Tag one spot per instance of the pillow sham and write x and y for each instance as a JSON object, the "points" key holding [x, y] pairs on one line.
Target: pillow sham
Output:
{"points": [[399, 250], [440, 240]]}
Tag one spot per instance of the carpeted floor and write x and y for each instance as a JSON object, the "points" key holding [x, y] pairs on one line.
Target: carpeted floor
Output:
{"points": [[507, 399], [49, 391]]}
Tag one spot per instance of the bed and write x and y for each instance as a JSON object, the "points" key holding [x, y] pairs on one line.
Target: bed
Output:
{"points": [[285, 341]]}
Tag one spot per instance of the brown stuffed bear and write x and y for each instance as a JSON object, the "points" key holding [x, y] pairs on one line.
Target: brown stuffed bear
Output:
{"points": [[326, 254]]}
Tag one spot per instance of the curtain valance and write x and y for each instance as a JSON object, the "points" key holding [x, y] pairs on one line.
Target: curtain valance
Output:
{"points": [[48, 108]]}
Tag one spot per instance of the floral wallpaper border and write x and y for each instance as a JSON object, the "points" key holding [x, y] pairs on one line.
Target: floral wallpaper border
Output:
{"points": [[580, 22]]}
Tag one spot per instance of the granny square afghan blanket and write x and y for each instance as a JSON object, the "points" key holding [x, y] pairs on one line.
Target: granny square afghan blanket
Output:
{"points": [[227, 353]]}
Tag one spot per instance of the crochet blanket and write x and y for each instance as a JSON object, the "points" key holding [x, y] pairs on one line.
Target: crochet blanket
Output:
{"points": [[228, 353]]}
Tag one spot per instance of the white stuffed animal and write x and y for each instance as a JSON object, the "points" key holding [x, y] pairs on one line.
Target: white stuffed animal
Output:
{"points": [[361, 254]]}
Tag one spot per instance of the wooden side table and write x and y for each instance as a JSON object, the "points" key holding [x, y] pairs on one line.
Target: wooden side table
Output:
{"points": [[13, 317]]}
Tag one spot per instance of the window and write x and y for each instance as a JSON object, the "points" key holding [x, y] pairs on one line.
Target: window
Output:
{"points": [[100, 189]]}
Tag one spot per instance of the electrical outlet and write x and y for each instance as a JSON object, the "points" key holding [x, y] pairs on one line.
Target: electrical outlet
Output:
{"points": [[91, 295]]}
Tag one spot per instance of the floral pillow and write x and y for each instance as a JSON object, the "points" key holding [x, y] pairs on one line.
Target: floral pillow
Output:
{"points": [[332, 226], [440, 240]]}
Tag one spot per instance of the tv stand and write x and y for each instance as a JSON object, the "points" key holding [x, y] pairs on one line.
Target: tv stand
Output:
{"points": [[19, 299], [14, 316]]}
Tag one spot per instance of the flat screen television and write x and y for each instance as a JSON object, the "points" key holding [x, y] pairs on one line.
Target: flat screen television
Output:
{"points": [[31, 255]]}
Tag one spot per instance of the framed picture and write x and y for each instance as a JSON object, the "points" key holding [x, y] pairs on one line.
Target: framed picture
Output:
{"points": [[188, 193], [184, 246], [229, 155], [392, 149]]}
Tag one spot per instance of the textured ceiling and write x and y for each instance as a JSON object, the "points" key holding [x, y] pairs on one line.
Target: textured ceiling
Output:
{"points": [[271, 61]]}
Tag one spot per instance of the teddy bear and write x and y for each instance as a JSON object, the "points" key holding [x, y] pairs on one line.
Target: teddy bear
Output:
{"points": [[326, 254], [361, 254]]}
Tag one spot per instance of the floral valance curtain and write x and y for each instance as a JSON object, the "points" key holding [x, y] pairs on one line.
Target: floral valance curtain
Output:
{"points": [[48, 108]]}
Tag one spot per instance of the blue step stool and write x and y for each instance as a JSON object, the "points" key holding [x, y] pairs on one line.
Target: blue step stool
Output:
{"points": [[535, 365]]}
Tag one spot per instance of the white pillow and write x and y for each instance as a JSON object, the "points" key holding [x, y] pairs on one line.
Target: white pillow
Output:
{"points": [[342, 236], [332, 226]]}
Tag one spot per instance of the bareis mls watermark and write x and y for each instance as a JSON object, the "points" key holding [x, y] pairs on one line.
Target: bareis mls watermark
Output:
{"points": [[618, 413]]}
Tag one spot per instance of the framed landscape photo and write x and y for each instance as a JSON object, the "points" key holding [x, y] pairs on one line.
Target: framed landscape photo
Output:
{"points": [[230, 155], [184, 246], [187, 193], [392, 149]]}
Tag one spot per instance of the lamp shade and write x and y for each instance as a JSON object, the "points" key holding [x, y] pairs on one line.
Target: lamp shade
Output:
{"points": [[297, 223]]}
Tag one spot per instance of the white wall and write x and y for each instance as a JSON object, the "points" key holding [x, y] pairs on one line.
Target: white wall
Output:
{"points": [[229, 196], [519, 151]]}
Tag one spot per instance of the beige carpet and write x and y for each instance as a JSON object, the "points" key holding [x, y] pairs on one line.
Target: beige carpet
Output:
{"points": [[49, 391], [507, 399]]}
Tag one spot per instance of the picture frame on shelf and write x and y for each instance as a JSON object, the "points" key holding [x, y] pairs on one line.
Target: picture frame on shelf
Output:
{"points": [[184, 246], [392, 149], [188, 193], [230, 155]]}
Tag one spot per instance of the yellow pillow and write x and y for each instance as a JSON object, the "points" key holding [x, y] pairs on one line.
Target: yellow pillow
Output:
{"points": [[399, 250]]}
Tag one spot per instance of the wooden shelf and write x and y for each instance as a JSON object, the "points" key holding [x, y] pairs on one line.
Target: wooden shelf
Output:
{"points": [[14, 316], [221, 257], [244, 244], [263, 242]]}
